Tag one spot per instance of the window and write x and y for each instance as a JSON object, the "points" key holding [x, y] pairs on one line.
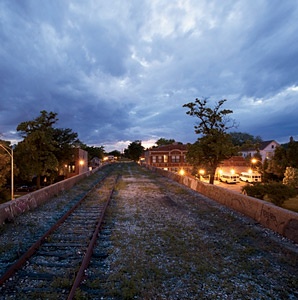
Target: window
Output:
{"points": [[175, 158], [165, 158], [159, 158], [154, 159]]}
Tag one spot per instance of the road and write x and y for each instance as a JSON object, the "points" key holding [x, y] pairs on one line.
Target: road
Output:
{"points": [[236, 187]]}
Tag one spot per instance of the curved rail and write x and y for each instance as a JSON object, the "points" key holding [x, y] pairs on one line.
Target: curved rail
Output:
{"points": [[19, 264], [87, 257]]}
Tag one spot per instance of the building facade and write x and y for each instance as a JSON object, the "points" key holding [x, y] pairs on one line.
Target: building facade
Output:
{"points": [[233, 165], [168, 157], [266, 150], [78, 164]]}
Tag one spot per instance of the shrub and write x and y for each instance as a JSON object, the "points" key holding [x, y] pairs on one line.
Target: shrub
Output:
{"points": [[291, 177], [275, 192], [4, 195]]}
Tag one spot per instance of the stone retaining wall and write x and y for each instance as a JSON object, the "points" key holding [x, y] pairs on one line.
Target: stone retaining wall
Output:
{"points": [[280, 220], [11, 209]]}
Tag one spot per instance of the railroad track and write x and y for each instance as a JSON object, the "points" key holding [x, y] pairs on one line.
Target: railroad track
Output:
{"points": [[55, 265]]}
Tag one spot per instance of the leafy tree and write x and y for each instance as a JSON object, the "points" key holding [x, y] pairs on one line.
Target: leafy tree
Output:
{"points": [[163, 141], [134, 150], [291, 177], [275, 192], [94, 151], [115, 153], [5, 163], [65, 140], [284, 156], [215, 144], [35, 154], [245, 140]]}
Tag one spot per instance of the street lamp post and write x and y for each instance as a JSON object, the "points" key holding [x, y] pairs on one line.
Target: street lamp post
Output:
{"points": [[11, 156]]}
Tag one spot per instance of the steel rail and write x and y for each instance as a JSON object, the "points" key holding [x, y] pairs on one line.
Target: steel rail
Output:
{"points": [[22, 260], [86, 260]]}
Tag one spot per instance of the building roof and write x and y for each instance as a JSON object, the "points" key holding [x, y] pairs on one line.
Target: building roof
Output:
{"points": [[235, 161], [261, 145]]}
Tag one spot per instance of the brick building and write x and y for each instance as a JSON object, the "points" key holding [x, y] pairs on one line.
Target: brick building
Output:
{"points": [[168, 157], [78, 163]]}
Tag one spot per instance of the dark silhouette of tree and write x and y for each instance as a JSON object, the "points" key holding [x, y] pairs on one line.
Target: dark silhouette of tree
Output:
{"points": [[214, 144], [163, 141], [5, 163], [284, 156], [243, 139], [134, 150], [94, 151], [35, 154], [45, 149]]}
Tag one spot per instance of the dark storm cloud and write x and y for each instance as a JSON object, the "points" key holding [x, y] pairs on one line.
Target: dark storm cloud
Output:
{"points": [[119, 72]]}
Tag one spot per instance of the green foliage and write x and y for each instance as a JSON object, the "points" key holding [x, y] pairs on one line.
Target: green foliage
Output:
{"points": [[284, 156], [275, 192], [94, 151], [215, 144], [36, 152], [210, 119], [163, 141], [243, 139], [291, 177], [5, 165], [116, 153], [4, 195], [134, 150]]}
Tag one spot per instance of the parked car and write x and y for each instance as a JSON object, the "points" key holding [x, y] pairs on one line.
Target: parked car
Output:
{"points": [[24, 188], [229, 178]]}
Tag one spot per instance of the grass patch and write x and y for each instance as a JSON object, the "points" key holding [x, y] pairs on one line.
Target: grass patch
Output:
{"points": [[291, 204]]}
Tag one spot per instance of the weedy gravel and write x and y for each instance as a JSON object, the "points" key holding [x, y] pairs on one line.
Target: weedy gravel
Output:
{"points": [[169, 242], [165, 241]]}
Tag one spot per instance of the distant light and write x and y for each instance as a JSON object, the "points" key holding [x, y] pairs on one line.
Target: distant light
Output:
{"points": [[81, 162], [182, 172], [202, 172], [232, 171]]}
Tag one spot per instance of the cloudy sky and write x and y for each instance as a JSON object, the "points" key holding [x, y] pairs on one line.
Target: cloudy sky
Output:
{"points": [[118, 71]]}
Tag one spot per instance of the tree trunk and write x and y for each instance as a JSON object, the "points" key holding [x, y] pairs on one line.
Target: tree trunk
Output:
{"points": [[212, 176], [38, 182]]}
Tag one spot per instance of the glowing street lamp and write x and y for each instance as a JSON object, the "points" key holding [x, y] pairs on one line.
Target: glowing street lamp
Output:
{"points": [[181, 172], [81, 162], [7, 149], [254, 162], [201, 172]]}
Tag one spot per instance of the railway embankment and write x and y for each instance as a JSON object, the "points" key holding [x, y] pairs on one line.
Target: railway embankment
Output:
{"points": [[14, 208], [280, 220], [161, 240]]}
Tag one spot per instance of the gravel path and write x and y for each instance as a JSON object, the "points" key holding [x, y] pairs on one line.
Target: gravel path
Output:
{"points": [[168, 242]]}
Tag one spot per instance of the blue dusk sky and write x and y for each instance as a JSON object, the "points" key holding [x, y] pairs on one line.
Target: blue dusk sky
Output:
{"points": [[118, 71]]}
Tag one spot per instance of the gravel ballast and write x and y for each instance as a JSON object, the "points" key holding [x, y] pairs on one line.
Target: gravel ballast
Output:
{"points": [[166, 241]]}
